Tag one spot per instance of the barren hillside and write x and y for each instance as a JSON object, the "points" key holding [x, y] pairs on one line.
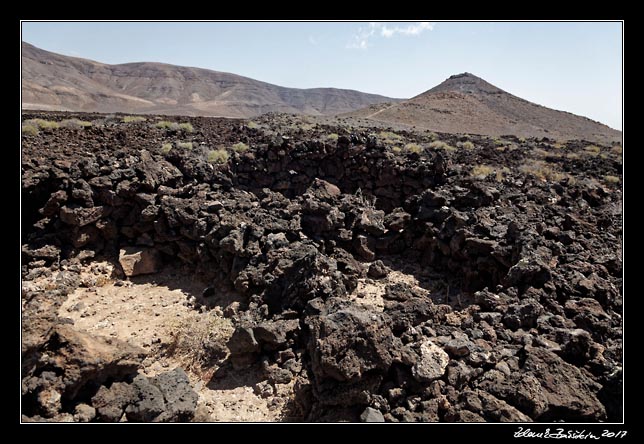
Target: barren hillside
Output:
{"points": [[56, 82], [465, 103]]}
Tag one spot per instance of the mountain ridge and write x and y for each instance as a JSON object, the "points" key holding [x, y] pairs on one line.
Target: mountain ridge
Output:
{"points": [[53, 81]]}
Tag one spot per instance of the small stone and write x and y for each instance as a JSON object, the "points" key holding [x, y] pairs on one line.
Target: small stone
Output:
{"points": [[432, 363], [371, 415], [377, 270], [49, 401], [84, 413]]}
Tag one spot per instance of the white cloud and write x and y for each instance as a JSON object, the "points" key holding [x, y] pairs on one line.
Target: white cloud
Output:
{"points": [[362, 37], [413, 29]]}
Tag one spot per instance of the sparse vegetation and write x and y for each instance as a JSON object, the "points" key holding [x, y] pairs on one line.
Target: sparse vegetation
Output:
{"points": [[307, 127], [467, 145], [542, 153], [252, 125], [389, 135], [50, 124], [440, 145], [43, 124], [332, 137], [184, 145], [414, 148], [500, 174], [240, 147], [197, 343], [29, 129], [390, 138], [592, 150], [174, 126], [165, 148], [617, 149], [75, 123], [187, 127], [499, 142], [542, 170], [397, 149], [166, 124], [482, 171], [133, 119], [218, 156], [611, 179]]}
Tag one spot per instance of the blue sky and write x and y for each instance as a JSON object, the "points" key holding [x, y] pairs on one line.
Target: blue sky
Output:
{"points": [[575, 67]]}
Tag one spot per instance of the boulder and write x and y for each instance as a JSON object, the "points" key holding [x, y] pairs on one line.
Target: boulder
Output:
{"points": [[136, 261]]}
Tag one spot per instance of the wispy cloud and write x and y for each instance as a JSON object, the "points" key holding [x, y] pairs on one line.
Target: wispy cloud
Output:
{"points": [[361, 39], [412, 29]]}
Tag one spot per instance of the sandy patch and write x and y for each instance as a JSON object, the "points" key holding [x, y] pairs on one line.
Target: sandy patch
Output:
{"points": [[157, 314]]}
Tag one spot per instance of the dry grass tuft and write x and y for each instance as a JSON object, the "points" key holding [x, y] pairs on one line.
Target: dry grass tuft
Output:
{"points": [[218, 156]]}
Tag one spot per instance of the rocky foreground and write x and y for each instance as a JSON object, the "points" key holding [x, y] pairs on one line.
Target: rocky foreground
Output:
{"points": [[512, 310]]}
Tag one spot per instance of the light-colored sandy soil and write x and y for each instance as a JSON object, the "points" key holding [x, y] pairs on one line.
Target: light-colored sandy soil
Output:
{"points": [[157, 313], [369, 292]]}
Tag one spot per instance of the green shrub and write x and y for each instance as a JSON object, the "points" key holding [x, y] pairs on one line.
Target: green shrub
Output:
{"points": [[592, 150], [617, 149], [218, 156], [390, 138], [252, 125], [240, 147], [611, 179], [187, 127], [44, 124], [440, 145], [397, 149], [29, 129], [174, 126], [482, 171], [167, 125], [467, 145], [75, 123], [163, 124], [184, 145], [542, 171], [414, 148], [166, 147], [332, 137], [133, 119]]}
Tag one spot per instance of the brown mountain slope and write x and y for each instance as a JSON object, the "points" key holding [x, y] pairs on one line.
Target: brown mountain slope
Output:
{"points": [[465, 103], [56, 82]]}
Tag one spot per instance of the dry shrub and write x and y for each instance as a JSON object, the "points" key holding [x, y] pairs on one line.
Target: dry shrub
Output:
{"points": [[201, 341]]}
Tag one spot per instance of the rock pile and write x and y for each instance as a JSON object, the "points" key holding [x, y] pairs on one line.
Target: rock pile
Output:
{"points": [[525, 324]]}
